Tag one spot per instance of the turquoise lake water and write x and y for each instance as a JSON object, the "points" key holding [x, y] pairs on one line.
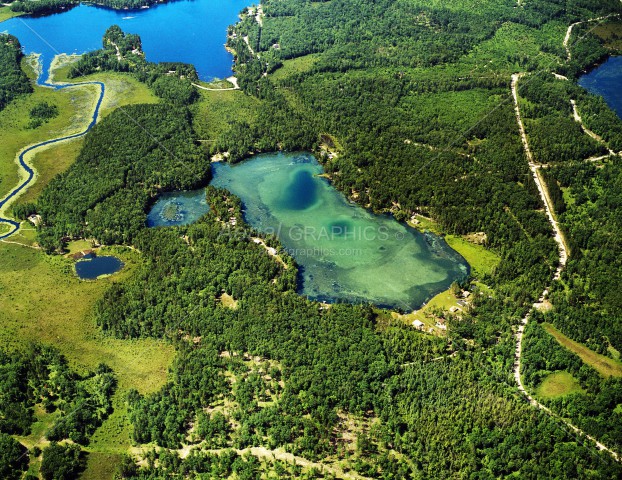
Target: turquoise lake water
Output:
{"points": [[178, 208], [345, 252], [606, 81], [182, 31], [93, 267]]}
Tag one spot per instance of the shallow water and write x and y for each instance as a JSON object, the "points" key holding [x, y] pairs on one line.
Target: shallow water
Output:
{"points": [[606, 81], [346, 253], [178, 208], [93, 267], [181, 31]]}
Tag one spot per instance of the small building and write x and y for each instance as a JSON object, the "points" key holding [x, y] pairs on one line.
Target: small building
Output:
{"points": [[35, 219], [418, 324], [454, 309], [466, 294]]}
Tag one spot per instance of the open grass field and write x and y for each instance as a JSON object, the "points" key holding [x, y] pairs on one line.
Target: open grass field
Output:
{"points": [[6, 13], [295, 65], [121, 88], [42, 300], [216, 111], [610, 33], [557, 385], [606, 366], [482, 260]]}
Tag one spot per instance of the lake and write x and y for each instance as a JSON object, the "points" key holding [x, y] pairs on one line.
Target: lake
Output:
{"points": [[345, 252], [93, 267], [181, 31], [606, 81], [178, 208]]}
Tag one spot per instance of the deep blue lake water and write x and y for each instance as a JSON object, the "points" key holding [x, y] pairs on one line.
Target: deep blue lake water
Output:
{"points": [[182, 31], [606, 81], [93, 267], [178, 208]]}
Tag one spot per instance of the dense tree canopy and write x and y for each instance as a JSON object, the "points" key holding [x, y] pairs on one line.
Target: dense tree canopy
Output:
{"points": [[411, 102], [13, 80]]}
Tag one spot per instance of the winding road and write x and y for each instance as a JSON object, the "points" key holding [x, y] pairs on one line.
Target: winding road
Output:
{"points": [[563, 258], [30, 172]]}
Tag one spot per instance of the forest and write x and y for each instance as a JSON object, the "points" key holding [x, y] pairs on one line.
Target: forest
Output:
{"points": [[129, 157], [79, 403], [417, 96], [14, 81], [43, 7]]}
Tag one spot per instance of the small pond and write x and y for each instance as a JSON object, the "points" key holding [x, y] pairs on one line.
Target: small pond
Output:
{"points": [[178, 208], [92, 267]]}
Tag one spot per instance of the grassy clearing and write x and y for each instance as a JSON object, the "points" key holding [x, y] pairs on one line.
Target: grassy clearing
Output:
{"points": [[482, 260], [443, 301], [216, 111], [611, 34], [295, 65], [48, 163], [6, 13], [100, 466], [557, 385], [228, 301], [606, 366], [42, 300], [425, 224], [121, 88]]}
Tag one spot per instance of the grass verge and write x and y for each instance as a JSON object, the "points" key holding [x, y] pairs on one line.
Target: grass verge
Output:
{"points": [[606, 366]]}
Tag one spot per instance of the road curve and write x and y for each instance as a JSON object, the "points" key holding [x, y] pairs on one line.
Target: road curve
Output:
{"points": [[30, 173]]}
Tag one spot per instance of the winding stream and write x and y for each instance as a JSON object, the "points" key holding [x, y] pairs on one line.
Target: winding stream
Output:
{"points": [[30, 173]]}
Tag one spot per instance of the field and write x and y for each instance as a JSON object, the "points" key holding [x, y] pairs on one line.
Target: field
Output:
{"points": [[606, 366], [295, 65], [218, 110], [557, 385], [75, 108], [611, 34], [482, 260], [6, 13], [121, 89], [41, 300]]}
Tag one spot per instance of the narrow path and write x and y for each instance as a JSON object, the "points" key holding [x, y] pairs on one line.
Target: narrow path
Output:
{"points": [[586, 130], [563, 257], [30, 172], [232, 80], [542, 188], [571, 27]]}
